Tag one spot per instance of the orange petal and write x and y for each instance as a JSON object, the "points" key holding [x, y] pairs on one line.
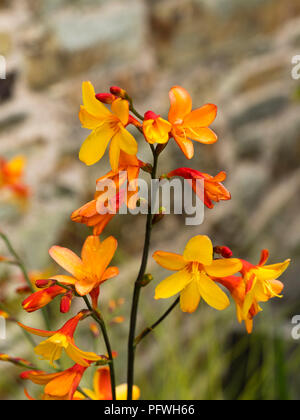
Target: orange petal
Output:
{"points": [[181, 104], [67, 260], [201, 117], [185, 145], [39, 333], [202, 135]]}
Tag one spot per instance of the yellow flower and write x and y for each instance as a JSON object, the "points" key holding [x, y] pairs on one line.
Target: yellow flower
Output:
{"points": [[106, 126], [194, 270], [51, 349], [156, 129]]}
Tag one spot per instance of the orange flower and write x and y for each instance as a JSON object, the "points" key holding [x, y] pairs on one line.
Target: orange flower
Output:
{"points": [[41, 298], [102, 387], [11, 174], [58, 386], [89, 214], [190, 125], [106, 126], [258, 284], [89, 271], [156, 129], [63, 339], [195, 270], [214, 190]]}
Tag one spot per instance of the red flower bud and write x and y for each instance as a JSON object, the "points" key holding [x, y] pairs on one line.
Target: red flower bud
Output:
{"points": [[224, 251], [121, 93], [65, 303], [44, 284], [150, 115], [106, 98]]}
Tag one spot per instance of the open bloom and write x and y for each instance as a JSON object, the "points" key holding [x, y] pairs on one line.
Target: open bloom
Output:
{"points": [[58, 386], [102, 387], [106, 126], [11, 174], [60, 340], [258, 283], [211, 190], [156, 129], [41, 298], [90, 214], [190, 125], [89, 271], [194, 272]]}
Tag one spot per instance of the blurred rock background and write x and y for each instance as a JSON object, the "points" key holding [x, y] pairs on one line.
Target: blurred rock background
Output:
{"points": [[233, 53]]}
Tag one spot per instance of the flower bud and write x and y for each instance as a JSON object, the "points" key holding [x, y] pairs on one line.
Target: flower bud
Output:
{"points": [[224, 251], [65, 303], [44, 284], [146, 280], [120, 93], [94, 329], [106, 98]]}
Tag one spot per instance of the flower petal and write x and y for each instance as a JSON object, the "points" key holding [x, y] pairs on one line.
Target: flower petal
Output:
{"points": [[121, 392], [212, 293], [95, 145], [199, 249], [202, 135], [271, 272], [181, 104], [169, 260], [102, 384], [114, 154], [39, 333], [190, 297], [88, 120], [201, 117], [68, 260], [185, 145], [224, 267], [91, 104], [173, 284], [120, 108], [126, 141], [80, 357]]}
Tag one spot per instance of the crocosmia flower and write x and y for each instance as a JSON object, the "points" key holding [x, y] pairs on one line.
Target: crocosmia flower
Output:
{"points": [[214, 190], [107, 126], [11, 176], [60, 340], [89, 271], [194, 272], [58, 386], [190, 125], [102, 387], [128, 171], [156, 129]]}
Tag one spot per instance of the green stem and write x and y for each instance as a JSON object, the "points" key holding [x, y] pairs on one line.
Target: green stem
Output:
{"points": [[148, 330], [21, 265], [137, 291], [100, 321]]}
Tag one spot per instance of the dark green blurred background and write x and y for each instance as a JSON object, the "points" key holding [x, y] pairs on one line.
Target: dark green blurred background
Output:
{"points": [[234, 53]]}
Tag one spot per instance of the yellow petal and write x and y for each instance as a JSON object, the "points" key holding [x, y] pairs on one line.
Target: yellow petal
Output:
{"points": [[95, 145], [212, 293], [80, 356], [173, 284], [169, 260], [88, 120], [224, 267], [114, 155], [199, 249], [190, 297], [126, 141], [120, 108], [271, 272], [67, 260], [64, 279], [91, 104], [121, 392]]}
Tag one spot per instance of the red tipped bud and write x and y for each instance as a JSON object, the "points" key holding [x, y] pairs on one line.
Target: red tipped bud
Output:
{"points": [[224, 251], [106, 98], [65, 303], [150, 115], [41, 298], [134, 122], [120, 93], [44, 284]]}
